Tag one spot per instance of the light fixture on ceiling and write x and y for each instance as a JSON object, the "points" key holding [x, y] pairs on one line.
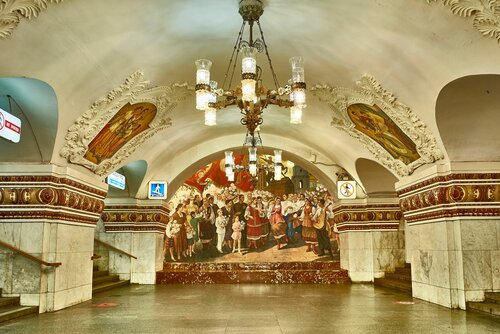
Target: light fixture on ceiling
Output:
{"points": [[253, 166], [251, 96]]}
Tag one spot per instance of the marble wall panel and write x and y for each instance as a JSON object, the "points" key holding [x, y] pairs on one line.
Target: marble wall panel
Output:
{"points": [[73, 296], [74, 239], [433, 294], [495, 269], [11, 234], [159, 251], [31, 240], [6, 271], [25, 275], [477, 270], [144, 248], [478, 234]]}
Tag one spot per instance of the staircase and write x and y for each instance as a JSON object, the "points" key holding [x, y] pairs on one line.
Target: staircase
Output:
{"points": [[10, 308], [398, 280], [103, 281], [490, 305]]}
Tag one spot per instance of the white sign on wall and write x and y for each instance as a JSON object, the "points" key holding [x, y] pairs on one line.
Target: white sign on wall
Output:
{"points": [[346, 189], [116, 180], [157, 190], [10, 126]]}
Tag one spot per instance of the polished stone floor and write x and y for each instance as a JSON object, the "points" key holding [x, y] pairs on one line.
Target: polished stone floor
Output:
{"points": [[356, 308]]}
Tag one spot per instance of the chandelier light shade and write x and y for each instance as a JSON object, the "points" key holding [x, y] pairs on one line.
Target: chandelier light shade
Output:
{"points": [[277, 172], [230, 177], [252, 167], [295, 115], [210, 116], [252, 154], [229, 163], [277, 156]]}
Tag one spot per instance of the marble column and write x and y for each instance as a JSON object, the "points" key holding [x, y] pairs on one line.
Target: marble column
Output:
{"points": [[137, 227], [49, 212], [453, 217], [371, 240]]}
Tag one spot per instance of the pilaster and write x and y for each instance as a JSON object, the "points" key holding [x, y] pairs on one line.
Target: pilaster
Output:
{"points": [[453, 216], [371, 240]]}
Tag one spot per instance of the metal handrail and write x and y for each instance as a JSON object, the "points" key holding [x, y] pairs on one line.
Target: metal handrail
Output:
{"points": [[114, 248], [29, 256]]}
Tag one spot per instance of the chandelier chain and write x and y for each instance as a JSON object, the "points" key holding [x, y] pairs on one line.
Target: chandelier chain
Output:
{"points": [[275, 78], [235, 49]]}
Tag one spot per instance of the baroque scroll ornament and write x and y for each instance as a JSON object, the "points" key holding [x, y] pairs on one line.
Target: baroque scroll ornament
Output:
{"points": [[11, 12], [485, 14], [370, 92], [133, 90]]}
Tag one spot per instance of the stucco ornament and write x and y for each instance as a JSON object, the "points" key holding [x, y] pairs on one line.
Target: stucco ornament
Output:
{"points": [[11, 12], [133, 90], [370, 92], [485, 14]]}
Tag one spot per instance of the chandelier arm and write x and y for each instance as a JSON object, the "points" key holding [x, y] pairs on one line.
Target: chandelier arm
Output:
{"points": [[235, 49], [275, 78]]}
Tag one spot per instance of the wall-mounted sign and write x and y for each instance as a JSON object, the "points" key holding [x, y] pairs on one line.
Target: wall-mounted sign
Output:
{"points": [[116, 180], [157, 190], [10, 126], [346, 189]]}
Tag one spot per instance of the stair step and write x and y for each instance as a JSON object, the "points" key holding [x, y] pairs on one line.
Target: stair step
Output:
{"points": [[491, 308], [492, 297], [108, 286], [393, 284], [102, 279], [11, 312], [403, 271], [5, 301], [401, 277], [100, 273]]}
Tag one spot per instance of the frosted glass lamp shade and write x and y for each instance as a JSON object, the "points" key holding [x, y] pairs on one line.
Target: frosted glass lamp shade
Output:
{"points": [[202, 99], [297, 64], [277, 156], [210, 116], [230, 177], [252, 154], [228, 157], [248, 90], [249, 62], [252, 168], [203, 71], [295, 115], [277, 172], [299, 98]]}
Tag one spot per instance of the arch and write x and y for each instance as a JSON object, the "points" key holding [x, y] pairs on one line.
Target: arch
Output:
{"points": [[378, 181], [34, 102], [179, 167], [467, 116], [134, 175]]}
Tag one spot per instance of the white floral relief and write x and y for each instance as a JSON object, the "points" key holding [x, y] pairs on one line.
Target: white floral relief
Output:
{"points": [[11, 12], [485, 14], [90, 123], [370, 92]]}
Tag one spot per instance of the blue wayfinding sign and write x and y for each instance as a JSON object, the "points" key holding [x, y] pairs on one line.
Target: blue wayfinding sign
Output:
{"points": [[157, 190]]}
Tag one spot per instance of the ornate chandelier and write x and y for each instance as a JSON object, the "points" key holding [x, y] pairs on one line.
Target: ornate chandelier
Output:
{"points": [[251, 96]]}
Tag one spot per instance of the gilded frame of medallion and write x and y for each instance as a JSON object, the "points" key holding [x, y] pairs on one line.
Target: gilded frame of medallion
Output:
{"points": [[91, 122], [370, 92]]}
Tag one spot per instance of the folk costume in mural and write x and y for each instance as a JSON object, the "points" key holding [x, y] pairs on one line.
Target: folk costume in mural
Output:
{"points": [[254, 224], [239, 210], [180, 239], [319, 224], [278, 226], [308, 231], [227, 212]]}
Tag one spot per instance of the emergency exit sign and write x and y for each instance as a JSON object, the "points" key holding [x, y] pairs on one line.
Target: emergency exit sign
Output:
{"points": [[10, 126]]}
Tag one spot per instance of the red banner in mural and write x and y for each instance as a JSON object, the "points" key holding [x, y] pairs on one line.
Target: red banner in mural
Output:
{"points": [[215, 173]]}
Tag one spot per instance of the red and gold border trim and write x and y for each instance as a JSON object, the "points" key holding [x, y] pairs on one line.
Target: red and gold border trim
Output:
{"points": [[135, 218], [49, 198], [367, 217], [471, 195]]}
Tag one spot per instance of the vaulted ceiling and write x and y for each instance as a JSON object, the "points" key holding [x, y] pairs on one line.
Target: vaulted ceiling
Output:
{"points": [[85, 48]]}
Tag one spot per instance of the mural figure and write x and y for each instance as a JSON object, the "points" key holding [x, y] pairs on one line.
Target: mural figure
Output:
{"points": [[128, 122], [373, 122]]}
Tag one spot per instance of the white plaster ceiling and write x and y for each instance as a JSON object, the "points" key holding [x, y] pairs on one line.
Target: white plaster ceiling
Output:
{"points": [[85, 48]]}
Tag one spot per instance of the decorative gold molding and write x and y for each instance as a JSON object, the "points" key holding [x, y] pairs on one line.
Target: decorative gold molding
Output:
{"points": [[11, 12], [133, 90], [485, 14], [371, 92]]}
